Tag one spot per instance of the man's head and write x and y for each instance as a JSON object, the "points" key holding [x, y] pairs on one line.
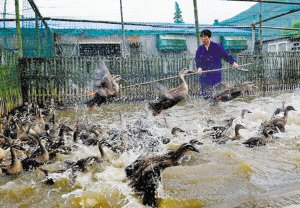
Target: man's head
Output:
{"points": [[205, 36], [205, 33]]}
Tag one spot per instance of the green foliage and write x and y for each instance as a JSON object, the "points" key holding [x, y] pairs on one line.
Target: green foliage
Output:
{"points": [[177, 15], [293, 33]]}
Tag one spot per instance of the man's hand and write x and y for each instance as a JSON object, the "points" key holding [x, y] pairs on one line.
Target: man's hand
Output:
{"points": [[199, 70], [235, 65]]}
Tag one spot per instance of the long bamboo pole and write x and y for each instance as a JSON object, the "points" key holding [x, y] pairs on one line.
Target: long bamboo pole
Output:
{"points": [[193, 73]]}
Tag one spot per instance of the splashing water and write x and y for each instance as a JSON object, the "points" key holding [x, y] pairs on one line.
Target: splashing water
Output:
{"points": [[220, 175]]}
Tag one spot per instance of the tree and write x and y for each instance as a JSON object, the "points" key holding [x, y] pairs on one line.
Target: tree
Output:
{"points": [[177, 15], [291, 33]]}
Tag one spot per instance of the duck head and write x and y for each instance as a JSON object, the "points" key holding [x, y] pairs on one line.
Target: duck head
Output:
{"points": [[176, 129], [195, 142], [245, 111], [239, 126], [187, 147], [288, 108], [184, 71], [118, 78]]}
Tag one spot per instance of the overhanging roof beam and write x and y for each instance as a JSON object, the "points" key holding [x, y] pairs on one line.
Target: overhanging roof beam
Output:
{"points": [[38, 14], [280, 15], [272, 2]]}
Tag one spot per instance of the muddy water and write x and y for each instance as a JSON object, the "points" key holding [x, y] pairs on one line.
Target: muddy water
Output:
{"points": [[228, 175]]}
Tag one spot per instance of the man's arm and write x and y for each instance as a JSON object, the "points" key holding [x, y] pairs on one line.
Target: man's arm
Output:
{"points": [[198, 60], [228, 57]]}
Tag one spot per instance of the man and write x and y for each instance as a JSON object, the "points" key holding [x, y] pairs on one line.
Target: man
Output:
{"points": [[208, 56]]}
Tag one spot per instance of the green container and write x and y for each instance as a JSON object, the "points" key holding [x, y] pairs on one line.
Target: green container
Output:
{"points": [[171, 42], [234, 43]]}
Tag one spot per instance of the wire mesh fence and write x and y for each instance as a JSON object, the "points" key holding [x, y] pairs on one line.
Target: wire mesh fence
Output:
{"points": [[143, 41]]}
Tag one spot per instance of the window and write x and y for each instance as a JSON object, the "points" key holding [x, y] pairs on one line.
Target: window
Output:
{"points": [[282, 46], [276, 47], [96, 49], [272, 48]]}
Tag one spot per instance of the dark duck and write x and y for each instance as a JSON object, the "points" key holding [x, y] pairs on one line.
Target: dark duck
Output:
{"points": [[279, 112], [107, 88], [278, 124], [145, 173], [81, 165], [229, 93], [217, 132], [38, 158], [171, 97], [260, 140]]}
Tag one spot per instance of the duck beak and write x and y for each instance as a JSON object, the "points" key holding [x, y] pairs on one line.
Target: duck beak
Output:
{"points": [[90, 93], [92, 108], [196, 150]]}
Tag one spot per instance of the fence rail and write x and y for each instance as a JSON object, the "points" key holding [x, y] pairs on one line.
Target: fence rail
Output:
{"points": [[67, 79]]}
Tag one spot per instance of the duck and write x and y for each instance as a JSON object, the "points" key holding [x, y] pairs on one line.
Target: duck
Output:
{"points": [[81, 165], [244, 111], [261, 140], [122, 145], [38, 158], [237, 128], [223, 138], [278, 124], [171, 97], [145, 173], [15, 167], [108, 88], [231, 93], [217, 132], [279, 112]]}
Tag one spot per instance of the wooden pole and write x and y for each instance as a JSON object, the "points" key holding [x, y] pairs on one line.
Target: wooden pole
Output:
{"points": [[123, 30], [193, 73], [260, 28], [19, 35], [38, 39], [196, 22], [253, 39]]}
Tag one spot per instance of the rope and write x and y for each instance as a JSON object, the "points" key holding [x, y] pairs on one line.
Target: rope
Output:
{"points": [[168, 78]]}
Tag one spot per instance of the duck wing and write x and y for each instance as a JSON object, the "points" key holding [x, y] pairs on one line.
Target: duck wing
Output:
{"points": [[255, 141]]}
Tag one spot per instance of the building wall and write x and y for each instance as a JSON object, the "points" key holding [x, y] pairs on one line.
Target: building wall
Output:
{"points": [[137, 44]]}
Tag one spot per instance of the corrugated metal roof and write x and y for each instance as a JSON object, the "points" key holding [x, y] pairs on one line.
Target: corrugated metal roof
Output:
{"points": [[134, 28]]}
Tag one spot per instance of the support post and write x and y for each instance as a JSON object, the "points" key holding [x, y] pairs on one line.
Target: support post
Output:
{"points": [[253, 40], [123, 30], [18, 25], [38, 38], [196, 22], [260, 28]]}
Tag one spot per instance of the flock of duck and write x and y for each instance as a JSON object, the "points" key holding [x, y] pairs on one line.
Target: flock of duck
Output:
{"points": [[32, 126]]}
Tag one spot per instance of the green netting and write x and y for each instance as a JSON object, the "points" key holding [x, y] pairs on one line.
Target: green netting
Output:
{"points": [[57, 28]]}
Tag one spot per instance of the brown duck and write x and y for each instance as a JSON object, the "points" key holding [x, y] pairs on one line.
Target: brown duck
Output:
{"points": [[81, 165], [278, 123], [262, 140], [107, 88], [237, 128], [145, 173], [15, 167], [171, 97], [231, 93], [38, 158]]}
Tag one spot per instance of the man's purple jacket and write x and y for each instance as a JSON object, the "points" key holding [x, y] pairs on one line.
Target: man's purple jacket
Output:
{"points": [[211, 59]]}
